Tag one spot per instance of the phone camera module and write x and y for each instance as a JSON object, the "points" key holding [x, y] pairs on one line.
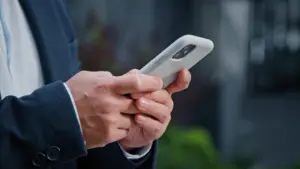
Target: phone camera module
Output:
{"points": [[178, 55], [183, 52]]}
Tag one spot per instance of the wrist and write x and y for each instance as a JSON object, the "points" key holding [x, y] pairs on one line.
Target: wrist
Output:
{"points": [[134, 149], [135, 153]]}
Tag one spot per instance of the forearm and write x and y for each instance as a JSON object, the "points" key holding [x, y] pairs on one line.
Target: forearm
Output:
{"points": [[29, 125]]}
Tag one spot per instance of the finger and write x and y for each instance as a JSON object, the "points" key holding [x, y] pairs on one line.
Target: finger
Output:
{"points": [[125, 121], [125, 105], [118, 135], [160, 96], [136, 82], [154, 109], [139, 95], [153, 127], [133, 71], [182, 82], [102, 73]]}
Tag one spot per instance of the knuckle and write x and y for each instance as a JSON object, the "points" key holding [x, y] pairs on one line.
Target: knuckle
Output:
{"points": [[101, 86], [136, 81], [106, 73], [104, 86], [86, 95], [81, 74], [107, 81], [89, 99], [164, 117], [134, 71]]}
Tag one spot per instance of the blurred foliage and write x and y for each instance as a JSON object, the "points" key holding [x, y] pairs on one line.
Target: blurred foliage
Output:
{"points": [[193, 148]]}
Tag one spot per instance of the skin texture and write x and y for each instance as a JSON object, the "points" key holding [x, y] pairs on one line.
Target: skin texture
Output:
{"points": [[155, 113], [132, 109], [105, 113]]}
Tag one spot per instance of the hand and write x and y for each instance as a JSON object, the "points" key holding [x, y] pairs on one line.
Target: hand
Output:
{"points": [[157, 106], [102, 106]]}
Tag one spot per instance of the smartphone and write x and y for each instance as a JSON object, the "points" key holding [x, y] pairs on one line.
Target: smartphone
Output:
{"points": [[185, 52]]}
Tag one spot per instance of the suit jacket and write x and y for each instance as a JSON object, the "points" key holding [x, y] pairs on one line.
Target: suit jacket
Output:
{"points": [[41, 130]]}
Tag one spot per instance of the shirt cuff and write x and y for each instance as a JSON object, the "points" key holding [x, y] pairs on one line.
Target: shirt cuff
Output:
{"points": [[73, 103], [140, 154]]}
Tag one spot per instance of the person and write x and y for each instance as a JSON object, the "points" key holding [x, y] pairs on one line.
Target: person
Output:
{"points": [[52, 115]]}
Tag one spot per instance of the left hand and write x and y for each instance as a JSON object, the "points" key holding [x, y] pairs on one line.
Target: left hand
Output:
{"points": [[151, 126]]}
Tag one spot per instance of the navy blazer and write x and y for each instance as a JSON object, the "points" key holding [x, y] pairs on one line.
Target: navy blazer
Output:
{"points": [[41, 130]]}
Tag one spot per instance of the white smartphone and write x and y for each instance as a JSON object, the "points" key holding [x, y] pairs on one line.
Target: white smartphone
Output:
{"points": [[185, 52]]}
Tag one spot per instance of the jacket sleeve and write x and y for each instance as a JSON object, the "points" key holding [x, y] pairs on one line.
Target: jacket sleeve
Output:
{"points": [[39, 130], [112, 157]]}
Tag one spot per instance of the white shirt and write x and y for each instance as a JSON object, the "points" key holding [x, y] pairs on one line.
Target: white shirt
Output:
{"points": [[20, 68]]}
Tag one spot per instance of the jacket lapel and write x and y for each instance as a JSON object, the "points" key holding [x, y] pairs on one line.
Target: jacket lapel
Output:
{"points": [[49, 36]]}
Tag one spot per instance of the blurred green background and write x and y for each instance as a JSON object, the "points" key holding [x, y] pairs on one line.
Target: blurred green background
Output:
{"points": [[242, 108], [193, 148]]}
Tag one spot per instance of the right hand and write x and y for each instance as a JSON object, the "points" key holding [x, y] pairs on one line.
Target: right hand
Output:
{"points": [[103, 110]]}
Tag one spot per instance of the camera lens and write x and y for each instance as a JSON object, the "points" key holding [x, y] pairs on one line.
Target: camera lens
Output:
{"points": [[178, 55], [185, 51]]}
